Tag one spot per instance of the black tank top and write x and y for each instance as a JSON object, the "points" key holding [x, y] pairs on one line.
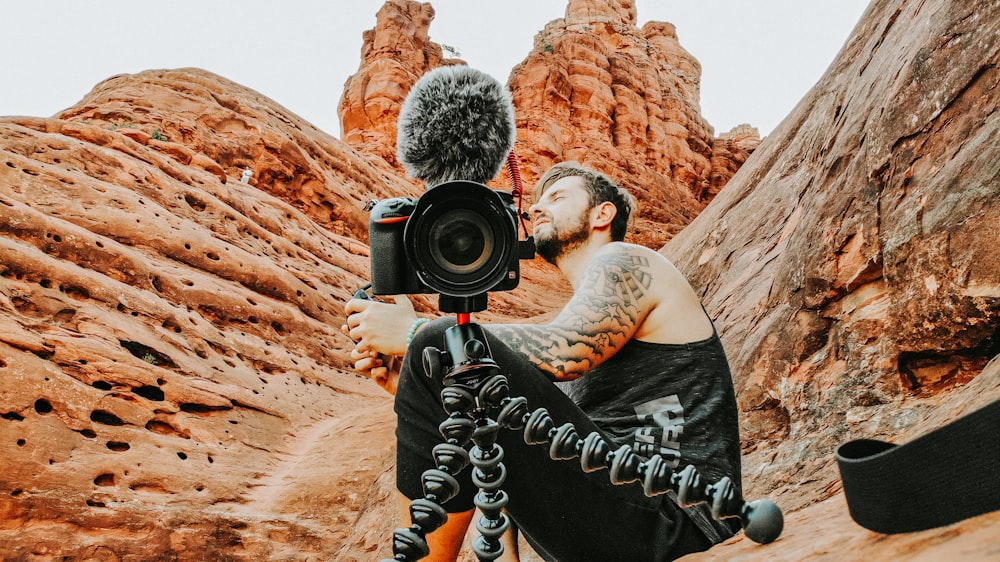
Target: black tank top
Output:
{"points": [[673, 399]]}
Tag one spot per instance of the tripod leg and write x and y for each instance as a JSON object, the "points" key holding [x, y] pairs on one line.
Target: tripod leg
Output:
{"points": [[466, 422], [439, 484], [489, 475], [762, 520]]}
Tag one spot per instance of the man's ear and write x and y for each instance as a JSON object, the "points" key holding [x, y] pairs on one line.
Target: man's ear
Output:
{"points": [[602, 215]]}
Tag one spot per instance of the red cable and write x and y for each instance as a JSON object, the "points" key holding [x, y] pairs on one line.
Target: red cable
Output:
{"points": [[515, 174], [517, 189]]}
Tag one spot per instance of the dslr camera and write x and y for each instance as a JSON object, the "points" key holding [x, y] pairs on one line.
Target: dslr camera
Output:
{"points": [[459, 239]]}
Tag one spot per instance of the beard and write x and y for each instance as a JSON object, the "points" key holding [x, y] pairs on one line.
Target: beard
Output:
{"points": [[561, 239]]}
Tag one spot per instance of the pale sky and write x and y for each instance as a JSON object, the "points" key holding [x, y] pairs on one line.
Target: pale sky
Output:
{"points": [[759, 58]]}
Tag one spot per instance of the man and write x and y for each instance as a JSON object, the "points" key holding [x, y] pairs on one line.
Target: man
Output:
{"points": [[647, 369]]}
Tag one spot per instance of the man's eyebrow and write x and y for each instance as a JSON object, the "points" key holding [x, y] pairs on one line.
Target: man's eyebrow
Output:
{"points": [[553, 190]]}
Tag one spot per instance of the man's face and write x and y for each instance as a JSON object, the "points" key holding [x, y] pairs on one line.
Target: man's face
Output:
{"points": [[561, 218]]}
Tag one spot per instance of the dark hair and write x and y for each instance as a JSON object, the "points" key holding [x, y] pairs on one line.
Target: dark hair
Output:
{"points": [[599, 187]]}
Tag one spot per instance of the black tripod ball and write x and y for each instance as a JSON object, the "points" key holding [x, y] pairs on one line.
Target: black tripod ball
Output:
{"points": [[762, 521]]}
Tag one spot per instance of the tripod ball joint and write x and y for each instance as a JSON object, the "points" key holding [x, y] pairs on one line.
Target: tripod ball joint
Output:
{"points": [[762, 521], [457, 430], [450, 457], [427, 515], [537, 427], [409, 544], [513, 413]]}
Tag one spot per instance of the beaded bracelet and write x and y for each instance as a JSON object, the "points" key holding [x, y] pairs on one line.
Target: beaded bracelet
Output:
{"points": [[413, 329]]}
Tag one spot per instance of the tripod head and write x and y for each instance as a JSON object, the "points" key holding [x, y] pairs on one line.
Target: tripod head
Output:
{"points": [[462, 306]]}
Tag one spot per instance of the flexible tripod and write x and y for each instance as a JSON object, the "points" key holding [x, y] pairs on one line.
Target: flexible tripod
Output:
{"points": [[474, 388]]}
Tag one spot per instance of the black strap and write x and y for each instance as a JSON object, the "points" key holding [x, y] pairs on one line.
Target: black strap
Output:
{"points": [[945, 476]]}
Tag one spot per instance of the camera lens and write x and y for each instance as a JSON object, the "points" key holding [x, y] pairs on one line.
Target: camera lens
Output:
{"points": [[459, 241]]}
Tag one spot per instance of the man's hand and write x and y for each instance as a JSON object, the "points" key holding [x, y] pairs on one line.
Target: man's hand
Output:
{"points": [[381, 369], [379, 331], [380, 326]]}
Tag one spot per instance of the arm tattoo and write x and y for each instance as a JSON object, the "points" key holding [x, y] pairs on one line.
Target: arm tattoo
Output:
{"points": [[598, 320]]}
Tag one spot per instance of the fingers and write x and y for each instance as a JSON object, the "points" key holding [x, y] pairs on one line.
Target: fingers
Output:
{"points": [[371, 364], [357, 305], [365, 360], [355, 309], [358, 336]]}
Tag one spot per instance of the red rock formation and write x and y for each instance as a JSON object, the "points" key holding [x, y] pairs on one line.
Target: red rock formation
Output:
{"points": [[210, 123], [170, 347], [395, 54], [595, 88], [729, 152]]}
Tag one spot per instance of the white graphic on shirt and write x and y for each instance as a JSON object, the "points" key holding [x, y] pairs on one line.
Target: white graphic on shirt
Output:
{"points": [[662, 423]]}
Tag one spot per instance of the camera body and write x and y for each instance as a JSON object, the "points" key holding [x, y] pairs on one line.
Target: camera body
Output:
{"points": [[459, 239]]}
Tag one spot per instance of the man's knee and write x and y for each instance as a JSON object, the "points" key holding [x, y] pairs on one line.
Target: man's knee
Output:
{"points": [[430, 334]]}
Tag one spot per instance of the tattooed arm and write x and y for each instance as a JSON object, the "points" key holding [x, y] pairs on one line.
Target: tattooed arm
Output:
{"points": [[607, 308]]}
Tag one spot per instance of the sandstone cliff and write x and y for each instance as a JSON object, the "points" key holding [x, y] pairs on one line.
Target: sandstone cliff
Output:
{"points": [[170, 340], [174, 384], [851, 266], [851, 262]]}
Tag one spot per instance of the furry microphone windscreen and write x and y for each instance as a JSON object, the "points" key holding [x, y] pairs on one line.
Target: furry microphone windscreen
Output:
{"points": [[457, 123]]}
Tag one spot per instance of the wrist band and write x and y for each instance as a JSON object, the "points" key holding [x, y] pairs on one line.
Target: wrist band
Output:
{"points": [[413, 329]]}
